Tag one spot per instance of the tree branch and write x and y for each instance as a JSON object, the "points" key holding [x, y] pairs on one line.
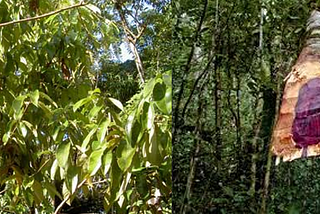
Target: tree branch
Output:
{"points": [[100, 182], [132, 39], [188, 65], [3, 191], [43, 15], [124, 22], [67, 198], [203, 74], [140, 31]]}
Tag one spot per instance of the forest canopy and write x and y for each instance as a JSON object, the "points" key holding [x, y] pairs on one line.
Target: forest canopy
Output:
{"points": [[229, 68], [82, 129]]}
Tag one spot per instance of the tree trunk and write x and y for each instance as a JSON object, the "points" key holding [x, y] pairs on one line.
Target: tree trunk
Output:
{"points": [[238, 122], [137, 60], [194, 159], [177, 120], [132, 39], [217, 99], [254, 158], [269, 160], [193, 163], [287, 141]]}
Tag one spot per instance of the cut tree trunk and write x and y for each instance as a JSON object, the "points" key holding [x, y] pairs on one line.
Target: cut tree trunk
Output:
{"points": [[297, 132]]}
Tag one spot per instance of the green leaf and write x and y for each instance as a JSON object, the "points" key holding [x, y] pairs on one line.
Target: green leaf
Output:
{"points": [[65, 192], [55, 133], [73, 177], [167, 79], [97, 90], [5, 138], [46, 109], [28, 124], [123, 187], [74, 183], [9, 67], [228, 191], [62, 173], [43, 95], [23, 129], [81, 103], [63, 154], [168, 100], [34, 96], [125, 154], [38, 191], [107, 159], [17, 104], [23, 62], [136, 133], [95, 145], [113, 143], [95, 161], [153, 147], [142, 184], [101, 133], [53, 169], [159, 91], [150, 117], [129, 125], [52, 190], [165, 104], [94, 111], [116, 103], [87, 139], [28, 195], [115, 174], [50, 19], [28, 182], [93, 8], [144, 114], [148, 87]]}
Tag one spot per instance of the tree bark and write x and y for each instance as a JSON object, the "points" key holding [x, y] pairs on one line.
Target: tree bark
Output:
{"points": [[307, 68], [132, 39], [254, 158], [194, 159], [193, 163], [218, 119], [176, 116], [269, 159]]}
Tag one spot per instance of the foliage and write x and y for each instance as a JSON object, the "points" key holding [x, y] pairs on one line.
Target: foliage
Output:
{"points": [[60, 134], [298, 183], [119, 79], [229, 66]]}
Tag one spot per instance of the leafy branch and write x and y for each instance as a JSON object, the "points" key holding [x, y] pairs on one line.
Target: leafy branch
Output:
{"points": [[68, 197], [43, 15]]}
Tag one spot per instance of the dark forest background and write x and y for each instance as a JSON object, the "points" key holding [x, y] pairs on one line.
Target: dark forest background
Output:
{"points": [[230, 60]]}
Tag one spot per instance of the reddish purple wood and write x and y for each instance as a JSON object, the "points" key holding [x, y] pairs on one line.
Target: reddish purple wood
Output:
{"points": [[306, 124]]}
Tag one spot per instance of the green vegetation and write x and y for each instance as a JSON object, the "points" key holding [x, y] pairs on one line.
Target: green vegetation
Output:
{"points": [[230, 60], [79, 129]]}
